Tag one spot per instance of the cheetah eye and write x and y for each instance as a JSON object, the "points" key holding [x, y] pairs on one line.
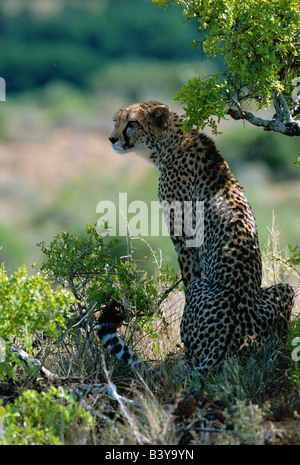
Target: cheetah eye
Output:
{"points": [[131, 124]]}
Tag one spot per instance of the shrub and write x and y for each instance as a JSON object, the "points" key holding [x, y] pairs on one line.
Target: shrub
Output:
{"points": [[28, 305], [87, 266], [51, 417]]}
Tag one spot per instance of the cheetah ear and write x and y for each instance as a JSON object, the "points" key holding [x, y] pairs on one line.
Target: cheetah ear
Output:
{"points": [[160, 115]]}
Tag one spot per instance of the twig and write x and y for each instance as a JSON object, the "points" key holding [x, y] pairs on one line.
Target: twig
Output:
{"points": [[44, 372], [140, 438], [167, 291], [80, 321], [73, 274], [202, 429]]}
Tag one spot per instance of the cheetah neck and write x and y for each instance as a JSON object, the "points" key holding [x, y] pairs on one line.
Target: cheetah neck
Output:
{"points": [[163, 150]]}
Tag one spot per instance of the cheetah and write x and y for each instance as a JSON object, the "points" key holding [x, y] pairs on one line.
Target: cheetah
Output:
{"points": [[225, 305]]}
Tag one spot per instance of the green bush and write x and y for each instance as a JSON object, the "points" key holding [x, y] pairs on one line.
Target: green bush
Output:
{"points": [[87, 266], [51, 417], [28, 305], [33, 310]]}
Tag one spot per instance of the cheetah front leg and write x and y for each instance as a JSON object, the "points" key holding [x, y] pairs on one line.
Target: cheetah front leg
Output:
{"points": [[185, 223]]}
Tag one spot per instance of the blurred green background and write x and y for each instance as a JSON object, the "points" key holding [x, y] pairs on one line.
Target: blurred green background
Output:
{"points": [[68, 66]]}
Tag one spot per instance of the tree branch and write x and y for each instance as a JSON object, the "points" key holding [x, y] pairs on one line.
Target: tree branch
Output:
{"points": [[290, 128], [285, 109]]}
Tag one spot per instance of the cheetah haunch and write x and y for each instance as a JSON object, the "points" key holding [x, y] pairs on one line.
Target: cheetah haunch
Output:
{"points": [[225, 303]]}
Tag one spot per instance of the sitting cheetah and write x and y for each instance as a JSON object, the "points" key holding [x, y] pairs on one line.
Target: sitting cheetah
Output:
{"points": [[225, 303]]}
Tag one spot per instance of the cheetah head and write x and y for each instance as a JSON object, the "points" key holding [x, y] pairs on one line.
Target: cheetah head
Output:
{"points": [[140, 127]]}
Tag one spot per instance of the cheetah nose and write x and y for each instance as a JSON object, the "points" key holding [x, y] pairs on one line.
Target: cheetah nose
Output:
{"points": [[113, 140]]}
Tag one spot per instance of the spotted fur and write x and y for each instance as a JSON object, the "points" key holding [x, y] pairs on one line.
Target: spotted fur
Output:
{"points": [[225, 303]]}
